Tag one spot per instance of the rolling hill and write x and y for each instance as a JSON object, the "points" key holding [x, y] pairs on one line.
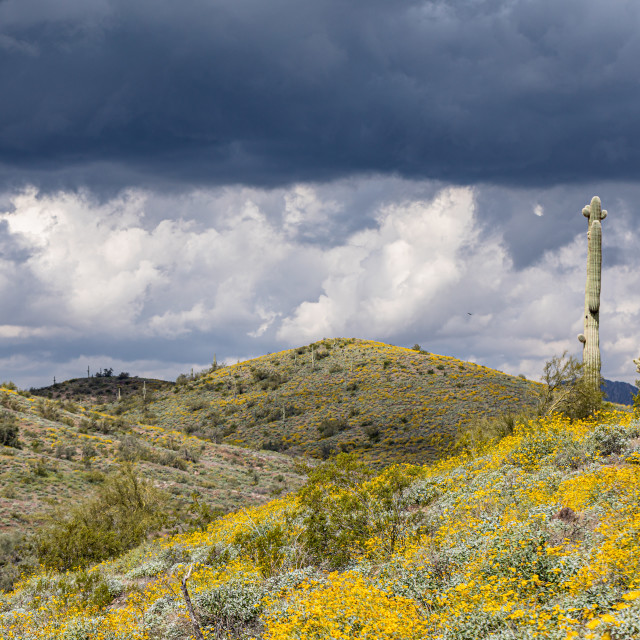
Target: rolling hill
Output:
{"points": [[387, 403], [218, 438], [65, 450], [100, 388]]}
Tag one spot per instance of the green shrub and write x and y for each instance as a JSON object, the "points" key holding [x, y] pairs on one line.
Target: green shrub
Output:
{"points": [[88, 452], [573, 455], [201, 514], [65, 451], [131, 449], [16, 558], [39, 468], [484, 431], [609, 439], [373, 433], [9, 401], [122, 513], [341, 510], [232, 609], [9, 432], [330, 426], [265, 545], [267, 381], [197, 404], [273, 444], [91, 587], [47, 410], [171, 459]]}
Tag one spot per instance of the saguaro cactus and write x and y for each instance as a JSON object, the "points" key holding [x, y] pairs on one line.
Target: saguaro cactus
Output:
{"points": [[591, 337]]}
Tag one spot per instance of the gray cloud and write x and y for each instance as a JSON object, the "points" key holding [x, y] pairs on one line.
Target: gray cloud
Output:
{"points": [[111, 93]]}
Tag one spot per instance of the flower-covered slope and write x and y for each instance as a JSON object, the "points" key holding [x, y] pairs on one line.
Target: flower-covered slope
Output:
{"points": [[536, 536]]}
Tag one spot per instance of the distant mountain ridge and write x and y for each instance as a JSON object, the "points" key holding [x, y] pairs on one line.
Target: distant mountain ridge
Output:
{"points": [[619, 392]]}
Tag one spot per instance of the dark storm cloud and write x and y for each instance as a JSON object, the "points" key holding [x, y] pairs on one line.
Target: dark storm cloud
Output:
{"points": [[110, 93], [528, 236]]}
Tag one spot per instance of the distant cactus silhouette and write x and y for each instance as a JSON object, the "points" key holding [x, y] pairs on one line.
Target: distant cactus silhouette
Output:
{"points": [[591, 337]]}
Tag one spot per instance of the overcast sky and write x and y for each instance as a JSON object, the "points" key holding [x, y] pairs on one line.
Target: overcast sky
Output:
{"points": [[238, 176]]}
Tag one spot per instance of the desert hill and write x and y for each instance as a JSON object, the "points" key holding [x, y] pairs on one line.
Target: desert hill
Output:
{"points": [[60, 451], [386, 403], [65, 447], [101, 387]]}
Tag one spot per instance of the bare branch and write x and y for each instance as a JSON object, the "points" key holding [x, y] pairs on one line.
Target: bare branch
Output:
{"points": [[197, 631]]}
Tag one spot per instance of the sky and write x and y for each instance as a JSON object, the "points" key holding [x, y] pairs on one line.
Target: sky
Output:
{"points": [[229, 178]]}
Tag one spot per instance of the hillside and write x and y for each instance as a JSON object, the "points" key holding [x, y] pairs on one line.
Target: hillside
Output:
{"points": [[101, 388], [65, 450], [386, 403], [535, 536]]}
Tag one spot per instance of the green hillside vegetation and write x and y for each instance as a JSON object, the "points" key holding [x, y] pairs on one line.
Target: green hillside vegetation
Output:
{"points": [[388, 404], [531, 536], [54, 453]]}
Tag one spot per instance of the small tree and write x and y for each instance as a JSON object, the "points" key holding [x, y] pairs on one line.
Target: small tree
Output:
{"points": [[567, 390]]}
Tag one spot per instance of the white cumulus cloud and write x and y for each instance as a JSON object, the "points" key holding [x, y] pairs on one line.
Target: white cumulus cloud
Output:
{"points": [[166, 281]]}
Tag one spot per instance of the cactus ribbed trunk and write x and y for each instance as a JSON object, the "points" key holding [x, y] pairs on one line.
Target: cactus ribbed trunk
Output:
{"points": [[591, 337]]}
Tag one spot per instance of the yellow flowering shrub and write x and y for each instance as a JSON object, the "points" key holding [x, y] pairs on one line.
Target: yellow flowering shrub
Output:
{"points": [[343, 607]]}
